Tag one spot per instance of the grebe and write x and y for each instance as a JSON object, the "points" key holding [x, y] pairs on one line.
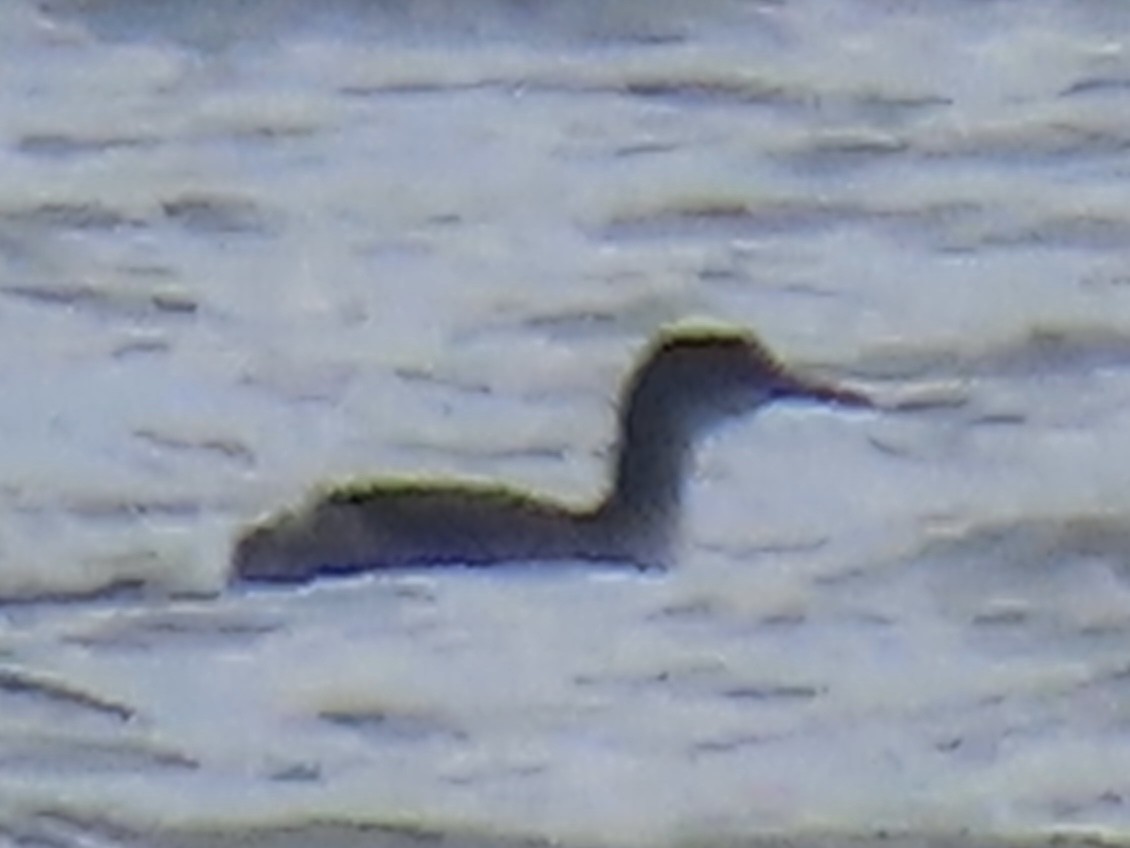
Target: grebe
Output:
{"points": [[686, 381]]}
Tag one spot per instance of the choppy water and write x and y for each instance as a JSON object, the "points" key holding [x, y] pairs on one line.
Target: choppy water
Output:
{"points": [[246, 247]]}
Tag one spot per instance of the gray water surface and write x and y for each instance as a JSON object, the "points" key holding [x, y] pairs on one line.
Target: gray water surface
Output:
{"points": [[248, 248]]}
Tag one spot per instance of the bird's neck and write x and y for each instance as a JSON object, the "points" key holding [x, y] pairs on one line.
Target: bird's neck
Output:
{"points": [[652, 456]]}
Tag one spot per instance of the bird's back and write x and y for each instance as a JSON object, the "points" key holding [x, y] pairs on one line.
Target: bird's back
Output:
{"points": [[397, 525]]}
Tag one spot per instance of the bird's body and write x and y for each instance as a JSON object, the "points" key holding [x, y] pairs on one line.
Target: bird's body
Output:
{"points": [[686, 381], [399, 524]]}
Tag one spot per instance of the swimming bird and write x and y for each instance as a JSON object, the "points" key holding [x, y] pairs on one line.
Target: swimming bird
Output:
{"points": [[686, 381]]}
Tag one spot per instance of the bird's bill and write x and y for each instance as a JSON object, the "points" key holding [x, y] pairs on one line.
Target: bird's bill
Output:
{"points": [[804, 388]]}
